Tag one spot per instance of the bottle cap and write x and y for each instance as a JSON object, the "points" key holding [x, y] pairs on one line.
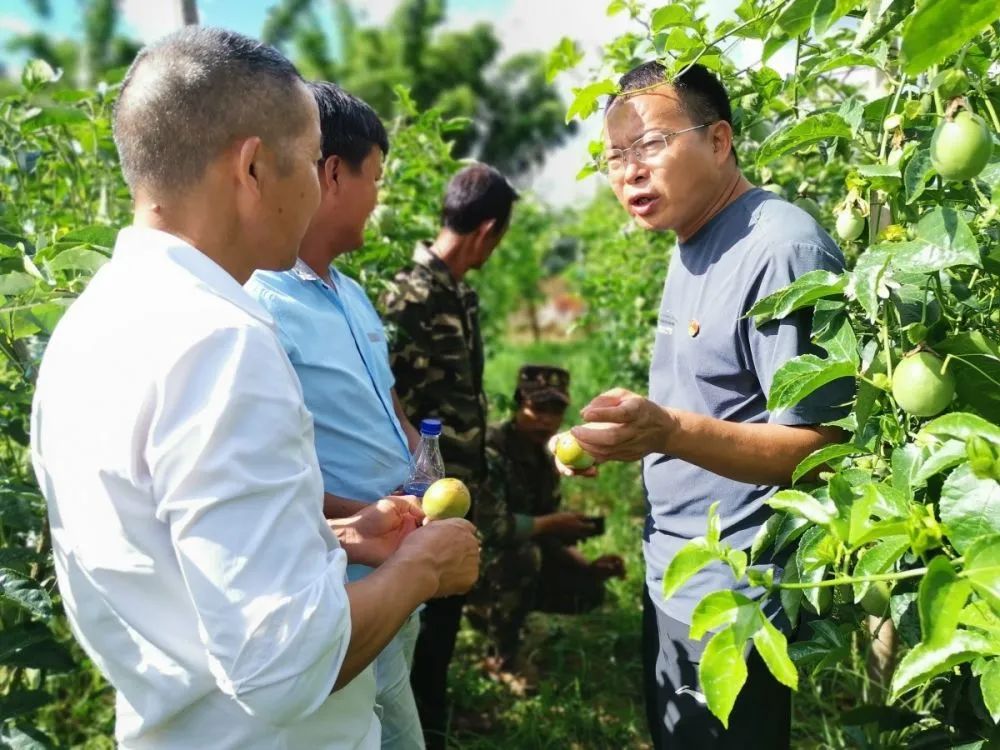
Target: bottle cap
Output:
{"points": [[430, 427]]}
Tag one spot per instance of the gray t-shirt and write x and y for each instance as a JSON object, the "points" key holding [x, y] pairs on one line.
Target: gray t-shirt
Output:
{"points": [[709, 359]]}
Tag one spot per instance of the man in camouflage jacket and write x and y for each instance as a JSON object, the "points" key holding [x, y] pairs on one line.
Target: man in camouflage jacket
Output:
{"points": [[436, 353], [530, 562]]}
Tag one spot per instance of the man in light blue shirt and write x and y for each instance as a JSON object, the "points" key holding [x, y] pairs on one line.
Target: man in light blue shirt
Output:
{"points": [[336, 343]]}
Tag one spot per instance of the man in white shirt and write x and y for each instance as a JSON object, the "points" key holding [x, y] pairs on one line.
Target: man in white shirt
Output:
{"points": [[170, 438]]}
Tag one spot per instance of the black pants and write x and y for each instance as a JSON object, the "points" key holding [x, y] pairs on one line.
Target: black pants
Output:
{"points": [[760, 720], [439, 624]]}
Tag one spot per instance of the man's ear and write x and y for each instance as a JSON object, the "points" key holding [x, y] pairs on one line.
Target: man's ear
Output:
{"points": [[332, 170], [722, 139], [486, 228], [248, 160]]}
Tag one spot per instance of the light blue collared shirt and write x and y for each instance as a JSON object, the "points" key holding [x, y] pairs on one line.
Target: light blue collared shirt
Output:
{"points": [[336, 343]]}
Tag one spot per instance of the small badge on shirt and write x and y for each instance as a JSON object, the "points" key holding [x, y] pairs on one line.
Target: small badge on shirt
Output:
{"points": [[694, 328], [374, 336]]}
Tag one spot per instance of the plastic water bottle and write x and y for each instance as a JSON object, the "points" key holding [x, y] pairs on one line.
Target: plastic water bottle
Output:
{"points": [[426, 464]]}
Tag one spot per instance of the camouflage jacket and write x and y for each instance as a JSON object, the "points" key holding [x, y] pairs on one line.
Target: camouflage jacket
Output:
{"points": [[436, 354], [523, 483]]}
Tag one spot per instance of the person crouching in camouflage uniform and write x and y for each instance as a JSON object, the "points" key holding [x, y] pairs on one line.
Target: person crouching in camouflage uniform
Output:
{"points": [[530, 562], [436, 354]]}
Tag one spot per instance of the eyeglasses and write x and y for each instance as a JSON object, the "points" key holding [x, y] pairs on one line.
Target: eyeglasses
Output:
{"points": [[646, 149]]}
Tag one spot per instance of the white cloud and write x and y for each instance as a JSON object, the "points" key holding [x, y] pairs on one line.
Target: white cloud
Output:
{"points": [[153, 20], [15, 25]]}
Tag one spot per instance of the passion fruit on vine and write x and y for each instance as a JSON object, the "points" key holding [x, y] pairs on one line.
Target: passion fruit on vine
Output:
{"points": [[921, 386], [850, 224], [961, 147]]}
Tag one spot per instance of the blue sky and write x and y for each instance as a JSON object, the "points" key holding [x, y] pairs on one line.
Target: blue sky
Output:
{"points": [[245, 16]]}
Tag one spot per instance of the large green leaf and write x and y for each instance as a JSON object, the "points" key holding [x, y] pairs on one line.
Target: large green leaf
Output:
{"points": [[867, 283], [19, 702], [723, 671], [21, 590], [725, 608], [940, 599], [827, 455], [924, 661], [976, 364], [691, 558], [940, 458], [670, 15], [18, 637], [803, 292], [803, 504], [16, 282], [918, 170], [828, 12], [24, 738], [989, 684], [801, 133], [585, 99], [970, 507], [765, 536], [877, 560], [799, 377], [940, 28], [982, 569], [797, 16], [773, 648], [961, 427]]}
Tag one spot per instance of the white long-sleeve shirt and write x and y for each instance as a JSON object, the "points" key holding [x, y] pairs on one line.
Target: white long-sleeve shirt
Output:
{"points": [[171, 442]]}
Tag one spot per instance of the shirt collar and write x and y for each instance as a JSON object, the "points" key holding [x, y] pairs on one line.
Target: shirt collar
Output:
{"points": [[423, 256], [303, 272], [144, 245]]}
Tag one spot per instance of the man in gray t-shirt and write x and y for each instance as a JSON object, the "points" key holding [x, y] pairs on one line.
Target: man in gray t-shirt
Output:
{"points": [[704, 434]]}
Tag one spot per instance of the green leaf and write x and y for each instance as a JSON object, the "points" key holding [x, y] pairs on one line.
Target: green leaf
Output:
{"points": [[970, 507], [877, 560], [803, 504], [19, 702], [723, 672], [21, 590], [17, 637], [961, 426], [24, 738], [925, 661], [989, 684], [918, 171], [50, 656], [49, 116], [827, 455], [792, 527], [940, 599], [982, 569], [691, 558], [585, 99], [976, 364], [839, 339], [670, 15], [867, 284], [773, 648], [791, 599], [615, 7], [938, 29], [797, 16], [722, 608], [78, 259], [828, 12], [803, 292], [802, 375], [801, 133], [564, 56], [16, 282], [948, 241], [979, 615], [765, 536], [939, 458]]}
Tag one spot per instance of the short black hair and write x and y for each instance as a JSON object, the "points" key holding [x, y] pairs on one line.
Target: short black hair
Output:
{"points": [[186, 98], [702, 94], [476, 194], [350, 126]]}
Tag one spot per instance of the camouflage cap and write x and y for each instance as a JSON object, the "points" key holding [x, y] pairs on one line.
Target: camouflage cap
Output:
{"points": [[543, 383]]}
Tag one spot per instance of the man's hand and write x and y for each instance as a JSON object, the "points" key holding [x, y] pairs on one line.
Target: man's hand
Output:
{"points": [[567, 526], [567, 471], [630, 427], [609, 566], [372, 535], [450, 548]]}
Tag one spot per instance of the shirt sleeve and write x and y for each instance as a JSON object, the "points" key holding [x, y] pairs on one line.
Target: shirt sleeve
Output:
{"points": [[235, 478], [769, 346], [409, 317]]}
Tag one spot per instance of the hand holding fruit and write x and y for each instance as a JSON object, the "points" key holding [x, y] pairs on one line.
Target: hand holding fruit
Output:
{"points": [[570, 457], [371, 536], [451, 549], [630, 428], [609, 566], [568, 526]]}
